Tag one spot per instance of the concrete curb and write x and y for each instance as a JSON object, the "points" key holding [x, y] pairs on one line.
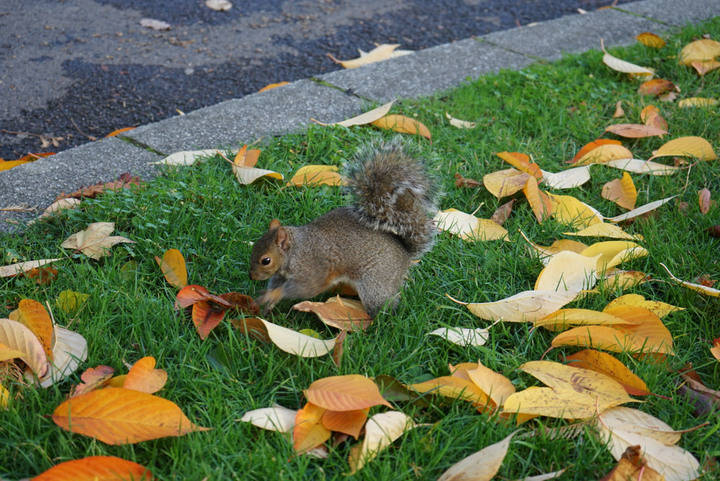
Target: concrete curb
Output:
{"points": [[334, 97]]}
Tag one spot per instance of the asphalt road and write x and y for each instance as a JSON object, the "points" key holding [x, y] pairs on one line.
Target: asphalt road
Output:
{"points": [[74, 70]]}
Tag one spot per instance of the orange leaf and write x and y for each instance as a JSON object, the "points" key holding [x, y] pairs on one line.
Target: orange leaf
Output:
{"points": [[402, 124], [122, 416], [605, 153], [96, 468], [309, 431], [715, 350], [173, 268], [657, 86], [539, 201], [345, 393], [455, 387], [206, 317], [190, 294], [522, 163], [144, 377], [650, 115], [634, 131], [348, 422], [245, 157], [119, 131], [645, 325], [33, 315], [621, 191], [593, 145], [272, 86], [92, 378], [649, 39], [608, 365]]}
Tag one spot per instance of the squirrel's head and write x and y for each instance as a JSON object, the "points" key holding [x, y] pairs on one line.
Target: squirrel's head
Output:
{"points": [[269, 252]]}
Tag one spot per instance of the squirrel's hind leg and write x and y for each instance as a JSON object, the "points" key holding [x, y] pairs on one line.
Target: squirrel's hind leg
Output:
{"points": [[374, 296]]}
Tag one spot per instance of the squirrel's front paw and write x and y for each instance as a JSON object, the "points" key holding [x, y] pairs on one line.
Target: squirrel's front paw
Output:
{"points": [[268, 299]]}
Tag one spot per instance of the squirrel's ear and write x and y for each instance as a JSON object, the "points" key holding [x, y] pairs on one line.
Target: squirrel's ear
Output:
{"points": [[282, 239], [274, 224]]}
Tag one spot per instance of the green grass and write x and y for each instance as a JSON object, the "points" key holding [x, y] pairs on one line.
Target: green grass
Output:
{"points": [[548, 112]]}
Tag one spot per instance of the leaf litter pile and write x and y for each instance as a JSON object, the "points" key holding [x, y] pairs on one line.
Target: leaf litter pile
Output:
{"points": [[565, 326]]}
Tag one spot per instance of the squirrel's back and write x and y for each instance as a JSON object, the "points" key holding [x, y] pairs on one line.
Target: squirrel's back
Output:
{"points": [[393, 193]]}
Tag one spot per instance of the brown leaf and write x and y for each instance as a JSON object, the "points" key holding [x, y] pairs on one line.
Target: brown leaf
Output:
{"points": [[632, 467], [619, 112], [650, 116], [92, 379], [144, 377], [656, 87], [42, 275], [714, 231], [122, 416], [190, 294], [704, 66], [253, 327], [503, 212], [95, 241], [634, 131], [338, 349], [345, 314], [704, 200], [461, 181], [122, 182]]}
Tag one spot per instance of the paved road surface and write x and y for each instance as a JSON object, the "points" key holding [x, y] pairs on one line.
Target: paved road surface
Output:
{"points": [[71, 70]]}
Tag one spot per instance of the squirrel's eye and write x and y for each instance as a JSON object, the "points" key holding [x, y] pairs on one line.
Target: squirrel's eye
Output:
{"points": [[265, 261]]}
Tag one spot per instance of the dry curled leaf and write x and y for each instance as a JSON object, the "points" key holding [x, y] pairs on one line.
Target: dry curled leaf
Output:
{"points": [[95, 241], [621, 191], [402, 124], [656, 87], [378, 54], [362, 119], [649, 39], [346, 314]]}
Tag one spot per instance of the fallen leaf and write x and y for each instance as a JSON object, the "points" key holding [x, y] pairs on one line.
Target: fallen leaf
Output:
{"points": [[317, 175], [566, 209], [686, 147], [604, 229], [92, 379], [95, 241], [42, 275], [117, 132], [568, 271], [505, 182], [381, 430], [701, 67], [33, 315], [17, 337], [276, 418], [573, 393], [69, 350], [660, 309], [545, 253], [539, 201], [656, 87], [611, 367], [402, 124], [526, 306], [492, 383], [468, 227], [697, 102], [503, 212], [378, 54], [122, 416], [463, 336], [308, 432], [461, 181], [632, 467], [709, 291], [585, 149], [59, 205], [621, 191], [190, 157], [564, 318], [699, 51], [346, 422], [453, 387], [143, 376], [604, 153], [460, 124], [715, 349], [521, 162], [154, 24], [363, 119], [173, 268], [649, 39], [345, 393], [639, 166], [272, 86], [20, 267], [643, 209], [346, 314], [218, 5], [651, 116], [480, 466], [619, 112], [635, 131], [623, 66], [618, 280], [704, 201], [96, 468], [567, 179]]}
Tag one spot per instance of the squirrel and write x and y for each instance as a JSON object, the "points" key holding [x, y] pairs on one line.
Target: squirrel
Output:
{"points": [[368, 244]]}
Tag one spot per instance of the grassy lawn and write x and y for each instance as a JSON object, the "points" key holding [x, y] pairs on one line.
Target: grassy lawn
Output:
{"points": [[548, 112]]}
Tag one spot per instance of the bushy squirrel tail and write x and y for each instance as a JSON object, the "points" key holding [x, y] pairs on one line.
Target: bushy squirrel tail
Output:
{"points": [[393, 193]]}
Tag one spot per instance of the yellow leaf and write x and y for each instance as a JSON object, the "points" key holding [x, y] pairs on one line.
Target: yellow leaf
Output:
{"points": [[4, 397], [661, 309], [71, 301], [610, 366], [379, 53], [574, 393], [122, 416], [539, 201], [505, 182], [7, 353], [709, 291], [649, 39], [521, 162], [567, 209], [479, 466], [381, 430], [567, 179], [546, 253], [701, 66], [650, 115], [309, 432], [585, 149], [563, 318], [621, 191], [688, 147], [173, 268], [613, 253], [317, 175], [604, 153], [272, 86], [604, 229], [33, 315], [95, 241], [143, 376], [525, 306], [402, 124], [345, 393], [617, 280], [697, 102], [568, 271], [469, 227], [245, 157], [699, 51], [492, 383], [453, 387]]}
